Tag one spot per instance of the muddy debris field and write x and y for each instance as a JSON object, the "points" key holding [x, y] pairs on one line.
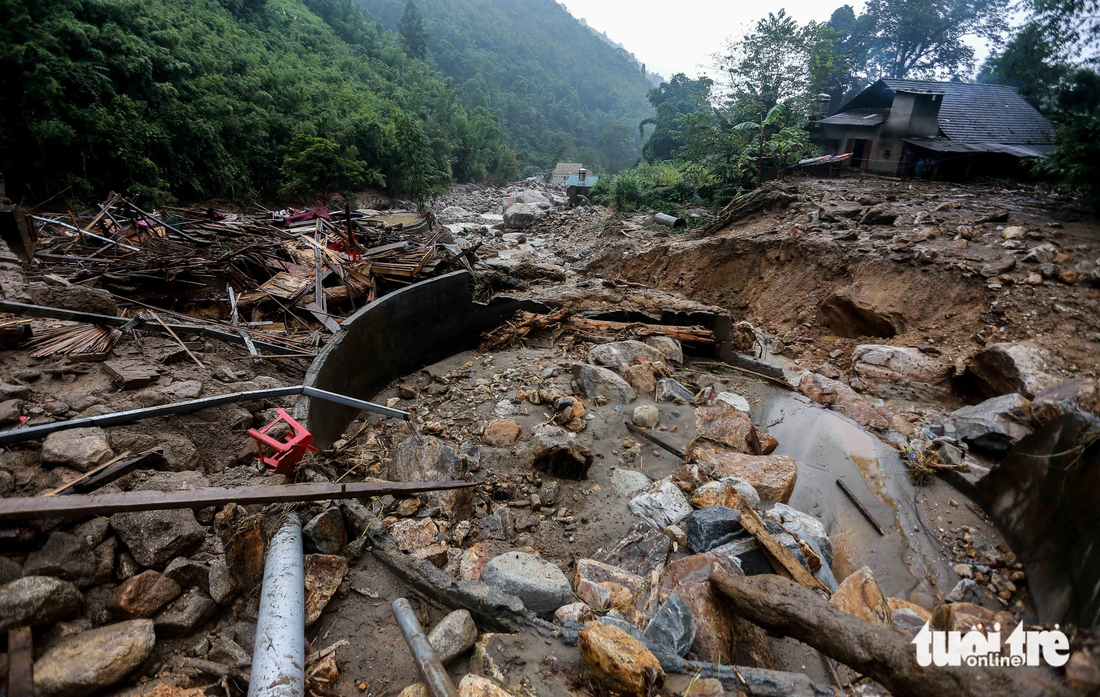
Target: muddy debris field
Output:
{"points": [[595, 454]]}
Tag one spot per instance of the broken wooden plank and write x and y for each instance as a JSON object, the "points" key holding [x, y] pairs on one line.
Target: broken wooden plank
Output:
{"points": [[109, 472], [780, 557], [80, 505], [687, 335]]}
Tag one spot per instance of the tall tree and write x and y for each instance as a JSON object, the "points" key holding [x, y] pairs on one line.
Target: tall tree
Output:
{"points": [[1030, 63], [672, 100], [413, 35], [925, 38]]}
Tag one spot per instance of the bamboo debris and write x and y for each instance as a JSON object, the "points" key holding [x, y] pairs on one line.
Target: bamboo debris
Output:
{"points": [[73, 339], [526, 324]]}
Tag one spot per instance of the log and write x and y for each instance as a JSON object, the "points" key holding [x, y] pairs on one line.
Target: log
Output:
{"points": [[789, 609], [779, 556], [688, 335]]}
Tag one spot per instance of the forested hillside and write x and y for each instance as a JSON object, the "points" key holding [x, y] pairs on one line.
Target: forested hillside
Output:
{"points": [[202, 98], [553, 81]]}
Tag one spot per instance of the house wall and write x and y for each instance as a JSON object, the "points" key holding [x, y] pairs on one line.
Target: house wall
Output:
{"points": [[885, 151]]}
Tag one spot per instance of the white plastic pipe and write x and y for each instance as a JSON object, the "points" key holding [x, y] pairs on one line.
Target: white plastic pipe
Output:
{"points": [[278, 659]]}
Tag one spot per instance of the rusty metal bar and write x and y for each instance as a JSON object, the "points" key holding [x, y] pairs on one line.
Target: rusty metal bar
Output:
{"points": [[278, 660], [864, 511], [80, 505], [431, 670]]}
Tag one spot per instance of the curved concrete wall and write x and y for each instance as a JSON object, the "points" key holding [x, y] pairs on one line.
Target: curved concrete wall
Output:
{"points": [[393, 336]]}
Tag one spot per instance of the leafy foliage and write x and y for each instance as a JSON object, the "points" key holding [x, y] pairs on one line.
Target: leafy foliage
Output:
{"points": [[551, 81]]}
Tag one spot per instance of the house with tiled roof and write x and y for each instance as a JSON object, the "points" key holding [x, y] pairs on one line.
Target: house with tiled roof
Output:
{"points": [[948, 130], [564, 170]]}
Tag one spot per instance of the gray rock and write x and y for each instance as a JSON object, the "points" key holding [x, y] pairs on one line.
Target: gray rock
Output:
{"points": [[65, 556], [998, 267], [189, 573], [11, 391], [357, 517], [541, 585], [907, 620], [623, 354], [92, 661], [429, 459], [1041, 254], [155, 537], [325, 533], [712, 527], [228, 652], [966, 591], [185, 615], [1004, 368], [79, 448], [669, 390], [10, 411], [627, 482], [93, 530], [672, 629], [622, 624], [734, 400], [594, 381], [453, 636], [747, 491], [670, 348], [520, 216], [663, 507], [9, 570], [221, 583], [995, 424], [532, 196], [570, 632], [646, 416], [899, 371], [806, 527], [38, 600], [879, 214]]}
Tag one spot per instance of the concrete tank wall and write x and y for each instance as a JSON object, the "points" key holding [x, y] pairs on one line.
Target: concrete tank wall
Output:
{"points": [[393, 336]]}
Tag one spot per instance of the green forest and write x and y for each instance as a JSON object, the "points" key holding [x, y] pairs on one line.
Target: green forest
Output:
{"points": [[190, 99], [710, 140]]}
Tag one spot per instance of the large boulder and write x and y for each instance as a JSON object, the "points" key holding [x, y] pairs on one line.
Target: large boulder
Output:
{"points": [[899, 371], [38, 600], [773, 476], [623, 354], [79, 448], [65, 556], [423, 458], [619, 661], [724, 423], [594, 381], [534, 197], [860, 595], [154, 538], [541, 586], [90, 662], [995, 424], [842, 399], [665, 506], [520, 216], [712, 527], [1005, 368]]}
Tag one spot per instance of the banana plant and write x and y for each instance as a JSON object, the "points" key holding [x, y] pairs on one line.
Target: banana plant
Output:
{"points": [[773, 115]]}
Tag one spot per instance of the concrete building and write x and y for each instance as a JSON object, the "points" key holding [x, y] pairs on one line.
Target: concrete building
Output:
{"points": [[563, 171], [953, 130]]}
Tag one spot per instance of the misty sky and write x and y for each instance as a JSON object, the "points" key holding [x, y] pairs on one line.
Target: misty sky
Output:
{"points": [[679, 36]]}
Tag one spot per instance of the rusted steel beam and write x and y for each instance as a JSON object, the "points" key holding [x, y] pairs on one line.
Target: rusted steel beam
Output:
{"points": [[79, 505], [431, 670]]}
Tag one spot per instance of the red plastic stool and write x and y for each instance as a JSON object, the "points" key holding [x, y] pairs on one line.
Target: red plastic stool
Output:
{"points": [[289, 452]]}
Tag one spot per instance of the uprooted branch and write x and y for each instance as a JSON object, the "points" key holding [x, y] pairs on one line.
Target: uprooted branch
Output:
{"points": [[789, 609]]}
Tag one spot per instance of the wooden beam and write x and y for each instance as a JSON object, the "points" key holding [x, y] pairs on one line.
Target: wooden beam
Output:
{"points": [[20, 663], [780, 557], [80, 505]]}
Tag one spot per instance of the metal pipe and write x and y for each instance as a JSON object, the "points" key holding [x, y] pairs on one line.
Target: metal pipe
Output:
{"points": [[17, 435], [278, 660], [431, 670], [669, 221]]}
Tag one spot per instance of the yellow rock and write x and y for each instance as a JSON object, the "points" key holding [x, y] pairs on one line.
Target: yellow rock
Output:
{"points": [[477, 686], [619, 661], [860, 595], [705, 687], [417, 689], [773, 476]]}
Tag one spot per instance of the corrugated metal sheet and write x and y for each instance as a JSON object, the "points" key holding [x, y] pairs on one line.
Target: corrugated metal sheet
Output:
{"points": [[948, 145], [856, 117]]}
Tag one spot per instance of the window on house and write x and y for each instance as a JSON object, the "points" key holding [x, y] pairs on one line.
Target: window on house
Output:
{"points": [[886, 154]]}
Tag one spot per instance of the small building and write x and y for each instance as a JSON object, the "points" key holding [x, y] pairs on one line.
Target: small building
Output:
{"points": [[579, 184], [946, 130], [563, 171]]}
